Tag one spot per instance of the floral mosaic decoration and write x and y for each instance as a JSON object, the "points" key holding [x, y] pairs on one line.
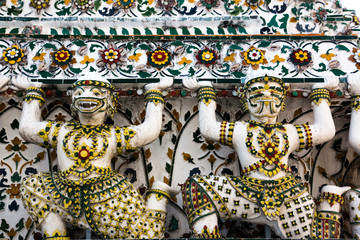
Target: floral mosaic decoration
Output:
{"points": [[159, 58], [207, 57], [253, 57], [39, 5], [63, 58], [111, 58], [83, 5], [14, 55], [300, 58]]}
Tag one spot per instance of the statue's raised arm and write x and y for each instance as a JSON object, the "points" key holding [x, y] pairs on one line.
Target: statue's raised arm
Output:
{"points": [[323, 128], [209, 127], [354, 132], [149, 130], [31, 123]]}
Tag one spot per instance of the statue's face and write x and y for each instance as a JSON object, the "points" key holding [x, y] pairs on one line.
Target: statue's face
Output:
{"points": [[90, 99], [265, 99]]}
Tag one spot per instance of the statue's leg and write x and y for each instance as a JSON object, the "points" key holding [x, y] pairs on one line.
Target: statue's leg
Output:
{"points": [[152, 224], [54, 227], [207, 226], [296, 217]]}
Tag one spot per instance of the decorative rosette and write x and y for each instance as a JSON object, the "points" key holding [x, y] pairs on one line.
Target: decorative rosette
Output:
{"points": [[300, 57], [253, 4], [13, 55], [270, 152], [111, 58], [207, 57], [166, 4], [208, 4], [39, 4], [124, 4], [253, 57], [159, 58], [63, 58], [83, 5]]}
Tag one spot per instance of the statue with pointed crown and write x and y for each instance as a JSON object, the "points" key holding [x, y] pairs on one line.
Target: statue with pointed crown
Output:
{"points": [[267, 191], [85, 191]]}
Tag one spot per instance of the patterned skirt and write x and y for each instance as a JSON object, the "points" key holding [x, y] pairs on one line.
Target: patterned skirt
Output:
{"points": [[108, 204]]}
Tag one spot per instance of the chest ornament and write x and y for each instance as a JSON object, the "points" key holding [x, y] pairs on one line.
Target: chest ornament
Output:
{"points": [[269, 149], [81, 153]]}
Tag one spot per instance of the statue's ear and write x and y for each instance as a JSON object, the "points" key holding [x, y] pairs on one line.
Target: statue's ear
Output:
{"points": [[283, 105], [112, 104], [73, 111], [244, 104]]}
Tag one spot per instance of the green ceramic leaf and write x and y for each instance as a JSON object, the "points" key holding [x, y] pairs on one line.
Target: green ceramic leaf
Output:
{"points": [[209, 31]]}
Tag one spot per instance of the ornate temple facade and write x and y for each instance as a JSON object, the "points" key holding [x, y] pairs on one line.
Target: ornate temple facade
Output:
{"points": [[133, 42]]}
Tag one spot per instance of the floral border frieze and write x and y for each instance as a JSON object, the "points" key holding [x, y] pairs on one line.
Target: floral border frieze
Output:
{"points": [[152, 59]]}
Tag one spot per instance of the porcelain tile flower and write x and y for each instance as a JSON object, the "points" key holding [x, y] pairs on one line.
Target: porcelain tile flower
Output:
{"points": [[63, 58], [124, 4], [13, 55], [159, 58], [111, 58], [39, 4], [253, 57], [207, 57], [300, 57], [83, 5]]}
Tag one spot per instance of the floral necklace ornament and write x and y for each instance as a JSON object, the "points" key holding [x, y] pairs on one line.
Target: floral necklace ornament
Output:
{"points": [[81, 153], [159, 58], [83, 5], [39, 5], [207, 57], [63, 58], [253, 57], [111, 58], [13, 55], [300, 58], [269, 143]]}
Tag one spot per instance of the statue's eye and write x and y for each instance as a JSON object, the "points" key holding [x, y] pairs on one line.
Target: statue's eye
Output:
{"points": [[97, 94]]}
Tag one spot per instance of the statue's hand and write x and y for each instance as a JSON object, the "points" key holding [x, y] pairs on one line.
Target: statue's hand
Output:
{"points": [[22, 83], [3, 83], [331, 83], [354, 83], [192, 84], [164, 83]]}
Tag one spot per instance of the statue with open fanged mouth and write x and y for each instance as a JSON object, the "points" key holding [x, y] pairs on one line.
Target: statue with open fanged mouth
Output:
{"points": [[85, 191]]}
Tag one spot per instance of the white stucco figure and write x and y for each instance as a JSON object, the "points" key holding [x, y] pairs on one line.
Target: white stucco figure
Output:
{"points": [[267, 191], [86, 191], [353, 196], [4, 81]]}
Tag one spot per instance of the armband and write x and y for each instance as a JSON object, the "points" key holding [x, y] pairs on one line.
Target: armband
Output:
{"points": [[226, 127], [206, 94], [35, 90], [30, 97], [355, 102], [319, 94], [154, 96], [332, 198], [159, 194]]}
